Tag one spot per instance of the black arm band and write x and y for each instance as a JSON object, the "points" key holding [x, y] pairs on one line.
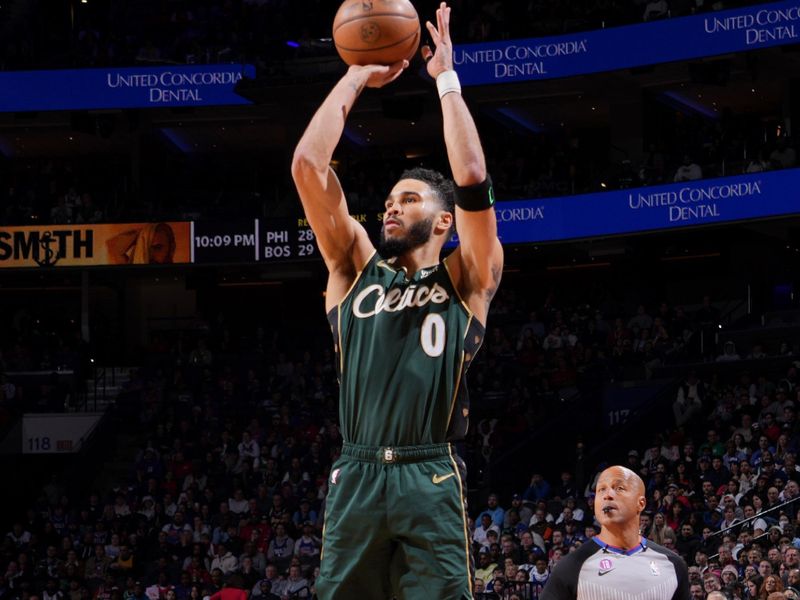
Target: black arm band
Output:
{"points": [[476, 197]]}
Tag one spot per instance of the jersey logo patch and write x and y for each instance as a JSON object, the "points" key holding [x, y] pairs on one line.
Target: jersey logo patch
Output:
{"points": [[606, 566], [437, 479], [423, 273], [654, 569]]}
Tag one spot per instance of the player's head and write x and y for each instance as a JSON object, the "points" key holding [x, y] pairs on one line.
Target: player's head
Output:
{"points": [[619, 497], [439, 184], [419, 207]]}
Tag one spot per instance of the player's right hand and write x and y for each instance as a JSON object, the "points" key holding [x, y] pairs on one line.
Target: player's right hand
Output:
{"points": [[377, 76], [442, 59]]}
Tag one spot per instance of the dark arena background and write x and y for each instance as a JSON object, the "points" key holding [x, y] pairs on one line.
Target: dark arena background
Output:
{"points": [[168, 393]]}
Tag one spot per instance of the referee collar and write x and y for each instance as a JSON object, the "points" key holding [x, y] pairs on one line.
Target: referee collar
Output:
{"points": [[641, 547]]}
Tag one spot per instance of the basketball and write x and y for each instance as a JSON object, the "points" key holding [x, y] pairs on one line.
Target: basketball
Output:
{"points": [[376, 32]]}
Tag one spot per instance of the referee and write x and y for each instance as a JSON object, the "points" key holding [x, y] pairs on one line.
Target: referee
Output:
{"points": [[619, 564]]}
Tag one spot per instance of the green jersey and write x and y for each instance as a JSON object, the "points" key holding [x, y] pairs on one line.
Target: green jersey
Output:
{"points": [[403, 348]]}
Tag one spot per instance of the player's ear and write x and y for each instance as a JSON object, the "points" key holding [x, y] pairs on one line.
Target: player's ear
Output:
{"points": [[445, 221]]}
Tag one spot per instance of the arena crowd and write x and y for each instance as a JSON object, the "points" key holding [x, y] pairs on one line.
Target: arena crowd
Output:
{"points": [[235, 438]]}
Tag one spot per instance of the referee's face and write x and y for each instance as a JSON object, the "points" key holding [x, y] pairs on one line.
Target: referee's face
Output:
{"points": [[619, 497]]}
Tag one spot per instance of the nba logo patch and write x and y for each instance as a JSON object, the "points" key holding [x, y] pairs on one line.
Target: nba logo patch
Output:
{"points": [[654, 569], [335, 476]]}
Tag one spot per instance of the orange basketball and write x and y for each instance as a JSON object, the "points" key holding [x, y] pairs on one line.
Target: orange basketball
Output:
{"points": [[376, 32]]}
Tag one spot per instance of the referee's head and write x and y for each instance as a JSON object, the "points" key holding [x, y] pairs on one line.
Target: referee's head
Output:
{"points": [[619, 499]]}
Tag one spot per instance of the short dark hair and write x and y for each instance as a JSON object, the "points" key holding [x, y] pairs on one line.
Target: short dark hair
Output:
{"points": [[439, 183]]}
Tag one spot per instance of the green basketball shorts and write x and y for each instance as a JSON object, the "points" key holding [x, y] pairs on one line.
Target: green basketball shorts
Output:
{"points": [[396, 526]]}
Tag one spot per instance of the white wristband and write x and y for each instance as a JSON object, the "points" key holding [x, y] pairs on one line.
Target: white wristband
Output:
{"points": [[446, 82]]}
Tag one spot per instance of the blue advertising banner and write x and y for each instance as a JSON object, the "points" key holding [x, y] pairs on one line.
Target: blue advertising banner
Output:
{"points": [[136, 87], [705, 202], [651, 43]]}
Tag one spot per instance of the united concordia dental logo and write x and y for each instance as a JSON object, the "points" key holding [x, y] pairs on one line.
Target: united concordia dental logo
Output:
{"points": [[694, 203], [520, 60], [173, 86], [760, 27]]}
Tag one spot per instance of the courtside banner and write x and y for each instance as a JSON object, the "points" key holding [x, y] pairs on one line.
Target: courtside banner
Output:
{"points": [[96, 245], [705, 202], [137, 87], [662, 41]]}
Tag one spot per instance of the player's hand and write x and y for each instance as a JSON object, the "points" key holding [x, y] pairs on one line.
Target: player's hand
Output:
{"points": [[376, 76], [441, 60]]}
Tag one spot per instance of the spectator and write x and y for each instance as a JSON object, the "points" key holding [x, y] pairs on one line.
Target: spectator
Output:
{"points": [[656, 9], [281, 548], [689, 401], [688, 171], [494, 510], [224, 560], [728, 353], [307, 547], [538, 489], [296, 585], [480, 536], [784, 156]]}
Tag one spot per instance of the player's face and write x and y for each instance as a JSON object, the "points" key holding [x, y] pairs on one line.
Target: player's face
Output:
{"points": [[411, 211], [619, 497], [409, 201]]}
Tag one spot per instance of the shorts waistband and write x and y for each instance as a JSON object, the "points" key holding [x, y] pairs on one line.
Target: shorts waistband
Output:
{"points": [[395, 454]]}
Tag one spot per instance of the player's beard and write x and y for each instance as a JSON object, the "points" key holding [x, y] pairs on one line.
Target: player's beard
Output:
{"points": [[418, 235]]}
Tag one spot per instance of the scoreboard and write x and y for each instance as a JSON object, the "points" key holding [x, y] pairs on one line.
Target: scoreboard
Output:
{"points": [[264, 240], [286, 239], [293, 239]]}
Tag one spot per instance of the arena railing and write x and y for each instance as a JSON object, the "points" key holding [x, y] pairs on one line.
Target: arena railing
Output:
{"points": [[513, 590], [737, 527]]}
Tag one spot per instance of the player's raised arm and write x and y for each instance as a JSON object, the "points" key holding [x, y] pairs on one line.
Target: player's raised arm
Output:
{"points": [[341, 240], [480, 253]]}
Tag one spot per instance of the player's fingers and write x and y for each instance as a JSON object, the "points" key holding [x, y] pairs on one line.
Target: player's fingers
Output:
{"points": [[379, 69], [427, 53], [434, 33], [445, 28], [396, 69]]}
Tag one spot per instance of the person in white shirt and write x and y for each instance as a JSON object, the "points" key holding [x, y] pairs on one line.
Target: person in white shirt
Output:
{"points": [[224, 560], [759, 525], [784, 156], [688, 171], [479, 537], [238, 504], [656, 9]]}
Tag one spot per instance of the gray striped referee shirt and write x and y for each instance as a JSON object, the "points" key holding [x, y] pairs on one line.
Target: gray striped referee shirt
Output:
{"points": [[597, 571]]}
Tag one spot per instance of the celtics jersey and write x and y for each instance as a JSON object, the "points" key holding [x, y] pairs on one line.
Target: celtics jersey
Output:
{"points": [[403, 348]]}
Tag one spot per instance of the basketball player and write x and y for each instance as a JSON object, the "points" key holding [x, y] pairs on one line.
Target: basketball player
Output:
{"points": [[619, 564], [406, 326]]}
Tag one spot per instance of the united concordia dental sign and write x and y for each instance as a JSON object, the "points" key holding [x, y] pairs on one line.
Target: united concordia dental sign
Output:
{"points": [[661, 41], [137, 87], [706, 202]]}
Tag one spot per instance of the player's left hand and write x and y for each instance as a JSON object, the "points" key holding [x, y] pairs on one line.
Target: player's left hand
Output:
{"points": [[442, 60]]}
